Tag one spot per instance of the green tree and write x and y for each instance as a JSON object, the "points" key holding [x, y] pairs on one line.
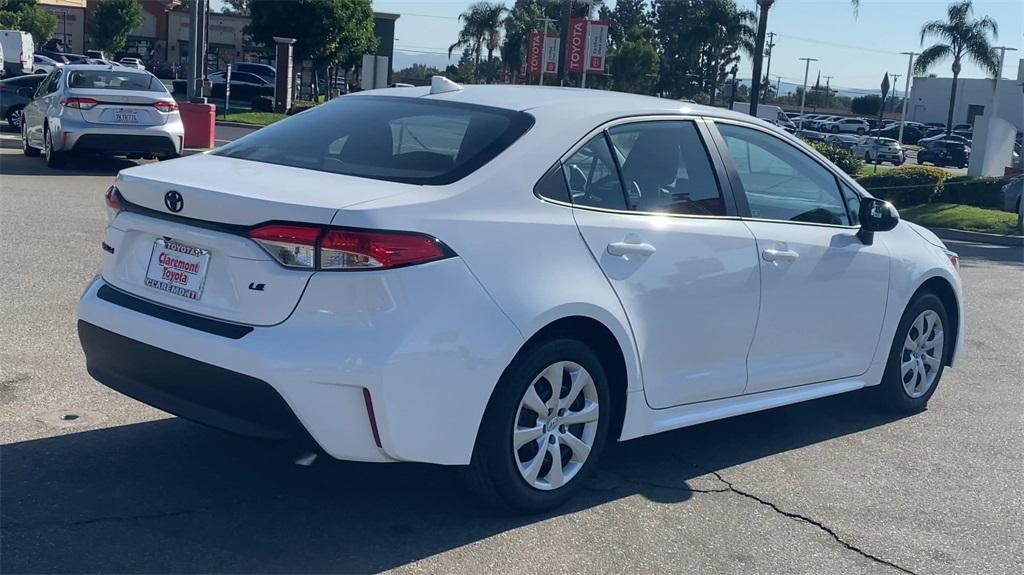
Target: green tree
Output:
{"points": [[481, 29], [26, 16], [113, 21], [236, 7], [325, 31], [866, 105], [418, 72], [959, 37], [627, 16], [634, 62]]}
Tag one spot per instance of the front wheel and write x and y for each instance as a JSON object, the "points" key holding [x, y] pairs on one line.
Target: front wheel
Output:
{"points": [[544, 428], [16, 117], [917, 356], [27, 148]]}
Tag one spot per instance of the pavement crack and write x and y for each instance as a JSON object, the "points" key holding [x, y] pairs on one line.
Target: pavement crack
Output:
{"points": [[109, 518], [810, 521]]}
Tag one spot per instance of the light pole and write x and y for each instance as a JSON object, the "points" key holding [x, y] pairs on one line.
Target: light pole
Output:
{"points": [[803, 95], [895, 89], [906, 95], [543, 47], [768, 66]]}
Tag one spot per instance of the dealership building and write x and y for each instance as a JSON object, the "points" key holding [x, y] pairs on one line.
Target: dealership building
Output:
{"points": [[929, 99]]}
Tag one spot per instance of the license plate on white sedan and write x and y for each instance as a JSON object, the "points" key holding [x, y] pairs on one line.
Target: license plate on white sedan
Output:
{"points": [[177, 268], [126, 116]]}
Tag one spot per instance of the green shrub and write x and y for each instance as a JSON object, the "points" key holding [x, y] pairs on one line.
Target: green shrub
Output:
{"points": [[843, 159], [971, 191], [907, 185], [300, 106], [262, 104]]}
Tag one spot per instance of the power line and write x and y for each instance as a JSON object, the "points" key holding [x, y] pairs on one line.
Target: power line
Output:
{"points": [[838, 45]]}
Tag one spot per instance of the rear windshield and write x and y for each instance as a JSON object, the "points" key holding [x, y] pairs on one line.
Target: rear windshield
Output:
{"points": [[387, 138], [114, 80]]}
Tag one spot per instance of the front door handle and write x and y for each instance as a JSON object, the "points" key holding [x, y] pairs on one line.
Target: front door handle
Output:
{"points": [[630, 248], [773, 255]]}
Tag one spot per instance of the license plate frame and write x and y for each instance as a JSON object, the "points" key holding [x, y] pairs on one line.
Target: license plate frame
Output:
{"points": [[177, 268]]}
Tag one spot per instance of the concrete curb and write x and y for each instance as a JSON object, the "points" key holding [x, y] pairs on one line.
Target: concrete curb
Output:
{"points": [[965, 236], [239, 125]]}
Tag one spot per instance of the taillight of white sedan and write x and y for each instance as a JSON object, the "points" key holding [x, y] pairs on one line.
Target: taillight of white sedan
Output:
{"points": [[505, 277]]}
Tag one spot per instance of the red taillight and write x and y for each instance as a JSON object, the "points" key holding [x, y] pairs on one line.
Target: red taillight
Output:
{"points": [[166, 107], [80, 103], [340, 249], [114, 203], [346, 249], [21, 57]]}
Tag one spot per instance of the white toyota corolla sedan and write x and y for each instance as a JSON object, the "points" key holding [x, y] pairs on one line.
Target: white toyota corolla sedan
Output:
{"points": [[505, 278]]}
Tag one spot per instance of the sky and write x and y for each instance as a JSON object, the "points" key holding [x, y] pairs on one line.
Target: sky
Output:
{"points": [[856, 50]]}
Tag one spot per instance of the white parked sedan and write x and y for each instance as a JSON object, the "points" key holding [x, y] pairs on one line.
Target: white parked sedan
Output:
{"points": [[506, 277]]}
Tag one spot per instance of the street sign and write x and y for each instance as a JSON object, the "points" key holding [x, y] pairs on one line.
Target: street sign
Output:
{"points": [[885, 86]]}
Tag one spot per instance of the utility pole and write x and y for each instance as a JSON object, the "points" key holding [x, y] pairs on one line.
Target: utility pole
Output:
{"points": [[768, 65], [906, 94], [563, 29], [762, 27], [778, 85], [803, 95], [895, 88]]}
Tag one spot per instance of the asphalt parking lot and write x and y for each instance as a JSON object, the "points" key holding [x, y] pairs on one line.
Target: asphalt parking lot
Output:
{"points": [[93, 482]]}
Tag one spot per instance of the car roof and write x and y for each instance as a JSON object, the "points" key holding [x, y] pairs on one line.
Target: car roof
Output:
{"points": [[568, 103], [98, 67]]}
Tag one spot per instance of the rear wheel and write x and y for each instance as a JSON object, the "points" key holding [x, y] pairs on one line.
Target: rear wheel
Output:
{"points": [[16, 117], [54, 159], [544, 428], [917, 356], [27, 148]]}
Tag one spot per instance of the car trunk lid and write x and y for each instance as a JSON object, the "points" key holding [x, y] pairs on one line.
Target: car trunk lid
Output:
{"points": [[182, 240], [123, 107]]}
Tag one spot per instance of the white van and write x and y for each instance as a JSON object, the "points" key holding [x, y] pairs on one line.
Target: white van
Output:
{"points": [[18, 50], [773, 114]]}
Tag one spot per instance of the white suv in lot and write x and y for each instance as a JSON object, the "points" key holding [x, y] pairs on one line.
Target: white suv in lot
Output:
{"points": [[851, 125], [506, 277]]}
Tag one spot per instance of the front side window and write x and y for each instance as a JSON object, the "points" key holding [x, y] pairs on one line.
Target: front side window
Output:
{"points": [[386, 138], [781, 182], [666, 168]]}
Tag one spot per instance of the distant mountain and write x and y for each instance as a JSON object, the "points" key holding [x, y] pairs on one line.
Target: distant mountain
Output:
{"points": [[406, 59]]}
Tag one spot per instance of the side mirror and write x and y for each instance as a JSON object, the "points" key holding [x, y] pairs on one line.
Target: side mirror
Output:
{"points": [[26, 93], [875, 216]]}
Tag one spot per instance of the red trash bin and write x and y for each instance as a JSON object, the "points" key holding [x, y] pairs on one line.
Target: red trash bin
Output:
{"points": [[200, 122]]}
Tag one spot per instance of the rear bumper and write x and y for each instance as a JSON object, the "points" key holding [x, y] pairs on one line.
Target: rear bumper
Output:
{"points": [[426, 342], [188, 388], [75, 134]]}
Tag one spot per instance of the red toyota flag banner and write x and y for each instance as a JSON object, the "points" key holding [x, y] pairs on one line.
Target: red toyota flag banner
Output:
{"points": [[575, 51], [598, 46], [534, 52]]}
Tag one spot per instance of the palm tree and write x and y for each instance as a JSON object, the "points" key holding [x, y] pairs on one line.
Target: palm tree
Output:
{"points": [[960, 37], [481, 27], [728, 32], [762, 29]]}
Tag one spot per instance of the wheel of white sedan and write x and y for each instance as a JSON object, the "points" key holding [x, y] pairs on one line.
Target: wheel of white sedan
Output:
{"points": [[543, 429], [918, 355]]}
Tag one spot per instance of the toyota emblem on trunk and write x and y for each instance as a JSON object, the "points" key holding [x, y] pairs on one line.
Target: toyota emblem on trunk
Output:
{"points": [[174, 201]]}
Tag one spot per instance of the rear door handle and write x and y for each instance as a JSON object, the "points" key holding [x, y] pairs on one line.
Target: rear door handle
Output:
{"points": [[773, 255], [629, 248]]}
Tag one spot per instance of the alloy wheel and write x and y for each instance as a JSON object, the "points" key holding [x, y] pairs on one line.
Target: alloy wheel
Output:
{"points": [[921, 357], [556, 425], [16, 119]]}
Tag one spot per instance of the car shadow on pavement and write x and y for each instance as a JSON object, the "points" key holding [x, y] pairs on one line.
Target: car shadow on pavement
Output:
{"points": [[19, 165], [173, 496]]}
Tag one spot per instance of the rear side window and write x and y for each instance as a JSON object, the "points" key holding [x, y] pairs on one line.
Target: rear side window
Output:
{"points": [[387, 138], [114, 79]]}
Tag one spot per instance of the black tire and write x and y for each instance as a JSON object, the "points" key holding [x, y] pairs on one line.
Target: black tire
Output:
{"points": [[27, 149], [493, 474], [891, 394], [16, 117], [860, 131], [835, 129], [54, 159]]}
